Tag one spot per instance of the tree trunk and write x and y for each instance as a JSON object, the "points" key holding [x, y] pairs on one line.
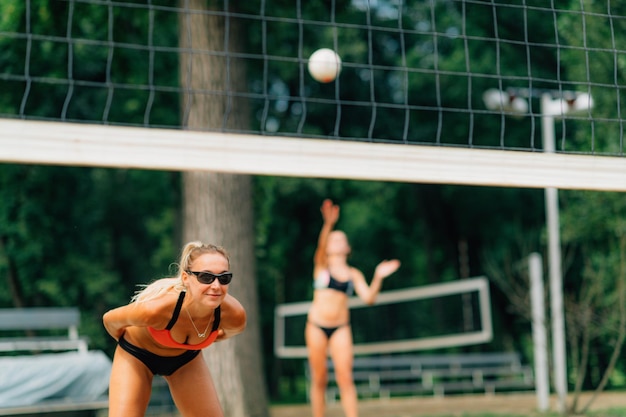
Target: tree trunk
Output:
{"points": [[218, 207]]}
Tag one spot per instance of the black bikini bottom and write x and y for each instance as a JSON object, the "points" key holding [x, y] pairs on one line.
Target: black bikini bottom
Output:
{"points": [[328, 331], [158, 365]]}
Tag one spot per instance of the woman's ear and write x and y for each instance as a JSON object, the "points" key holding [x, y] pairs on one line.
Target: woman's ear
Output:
{"points": [[184, 277]]}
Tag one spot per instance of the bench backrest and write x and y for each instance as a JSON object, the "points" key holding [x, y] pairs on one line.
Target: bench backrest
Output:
{"points": [[39, 318], [424, 362], [471, 359]]}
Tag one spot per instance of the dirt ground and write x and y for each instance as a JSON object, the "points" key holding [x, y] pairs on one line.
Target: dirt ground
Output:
{"points": [[514, 403]]}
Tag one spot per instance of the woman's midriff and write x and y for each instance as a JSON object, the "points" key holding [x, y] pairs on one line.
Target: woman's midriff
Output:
{"points": [[329, 308]]}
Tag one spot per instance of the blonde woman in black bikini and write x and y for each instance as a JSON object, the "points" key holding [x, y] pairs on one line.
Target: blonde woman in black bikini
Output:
{"points": [[165, 327], [328, 323]]}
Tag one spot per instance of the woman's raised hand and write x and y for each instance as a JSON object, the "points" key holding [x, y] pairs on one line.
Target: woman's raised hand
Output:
{"points": [[386, 268], [330, 211]]}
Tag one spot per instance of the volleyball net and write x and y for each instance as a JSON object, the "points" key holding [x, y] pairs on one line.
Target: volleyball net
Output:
{"points": [[420, 318], [440, 91]]}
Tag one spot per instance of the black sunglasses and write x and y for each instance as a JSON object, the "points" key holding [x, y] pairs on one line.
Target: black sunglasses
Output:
{"points": [[208, 277]]}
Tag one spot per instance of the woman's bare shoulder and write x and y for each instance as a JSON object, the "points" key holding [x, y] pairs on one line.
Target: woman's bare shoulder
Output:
{"points": [[157, 311], [356, 273], [233, 311]]}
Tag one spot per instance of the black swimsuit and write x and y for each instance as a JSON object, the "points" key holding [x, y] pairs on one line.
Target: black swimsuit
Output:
{"points": [[158, 365], [327, 281], [328, 331], [165, 365]]}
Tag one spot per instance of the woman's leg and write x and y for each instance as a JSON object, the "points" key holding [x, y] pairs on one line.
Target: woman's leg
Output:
{"points": [[341, 352], [193, 390], [317, 345], [129, 387]]}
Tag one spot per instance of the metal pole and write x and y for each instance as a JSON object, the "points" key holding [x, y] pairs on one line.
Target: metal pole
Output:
{"points": [[554, 263], [540, 336]]}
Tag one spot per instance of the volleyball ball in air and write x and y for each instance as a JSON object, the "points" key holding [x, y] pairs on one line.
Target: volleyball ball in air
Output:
{"points": [[324, 65]]}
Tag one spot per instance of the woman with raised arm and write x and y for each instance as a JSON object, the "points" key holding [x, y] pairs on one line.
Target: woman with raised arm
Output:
{"points": [[163, 330], [328, 321]]}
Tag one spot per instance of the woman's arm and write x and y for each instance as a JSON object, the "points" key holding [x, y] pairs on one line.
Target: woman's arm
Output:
{"points": [[368, 293], [117, 320], [152, 313], [330, 215], [233, 318]]}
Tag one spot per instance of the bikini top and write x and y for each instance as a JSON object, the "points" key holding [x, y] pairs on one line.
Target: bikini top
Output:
{"points": [[165, 338], [325, 280]]}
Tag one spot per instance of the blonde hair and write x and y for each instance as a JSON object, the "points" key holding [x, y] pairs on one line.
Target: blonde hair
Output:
{"points": [[191, 251]]}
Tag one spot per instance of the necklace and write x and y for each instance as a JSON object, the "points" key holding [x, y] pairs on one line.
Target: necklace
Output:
{"points": [[200, 335]]}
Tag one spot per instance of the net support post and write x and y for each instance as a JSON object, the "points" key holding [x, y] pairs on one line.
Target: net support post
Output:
{"points": [[550, 108], [540, 337]]}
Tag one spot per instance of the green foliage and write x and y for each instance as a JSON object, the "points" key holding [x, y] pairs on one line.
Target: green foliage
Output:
{"points": [[592, 48], [110, 48], [83, 237]]}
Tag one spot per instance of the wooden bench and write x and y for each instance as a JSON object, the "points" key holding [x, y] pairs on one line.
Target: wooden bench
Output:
{"points": [[27, 322], [383, 376], [35, 334]]}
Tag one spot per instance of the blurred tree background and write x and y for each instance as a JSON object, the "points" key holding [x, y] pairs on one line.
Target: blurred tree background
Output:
{"points": [[77, 236]]}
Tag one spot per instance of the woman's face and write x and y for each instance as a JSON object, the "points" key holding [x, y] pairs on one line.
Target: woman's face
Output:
{"points": [[210, 295], [337, 243]]}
